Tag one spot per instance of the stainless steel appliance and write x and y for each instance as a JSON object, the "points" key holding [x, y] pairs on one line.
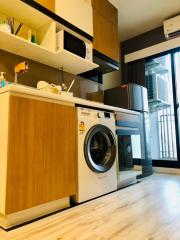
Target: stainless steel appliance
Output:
{"points": [[133, 97]]}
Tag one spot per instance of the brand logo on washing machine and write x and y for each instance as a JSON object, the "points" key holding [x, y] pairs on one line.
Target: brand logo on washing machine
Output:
{"points": [[82, 127]]}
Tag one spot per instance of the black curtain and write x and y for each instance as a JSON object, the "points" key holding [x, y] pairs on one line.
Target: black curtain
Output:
{"points": [[134, 72]]}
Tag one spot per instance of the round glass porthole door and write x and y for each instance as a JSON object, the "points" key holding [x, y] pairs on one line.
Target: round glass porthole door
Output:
{"points": [[100, 148]]}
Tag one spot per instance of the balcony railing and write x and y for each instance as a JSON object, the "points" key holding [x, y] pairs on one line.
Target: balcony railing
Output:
{"points": [[167, 135]]}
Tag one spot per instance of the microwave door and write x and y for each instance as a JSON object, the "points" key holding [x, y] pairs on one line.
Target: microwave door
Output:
{"points": [[74, 45]]}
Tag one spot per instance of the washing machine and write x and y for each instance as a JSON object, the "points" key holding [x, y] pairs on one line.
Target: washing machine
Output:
{"points": [[97, 160]]}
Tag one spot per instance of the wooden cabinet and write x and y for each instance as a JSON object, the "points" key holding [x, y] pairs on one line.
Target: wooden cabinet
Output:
{"points": [[41, 153], [106, 9], [106, 39], [49, 4], [105, 27], [76, 12]]}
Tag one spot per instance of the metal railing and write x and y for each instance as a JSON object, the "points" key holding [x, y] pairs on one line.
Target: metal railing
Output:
{"points": [[167, 135]]}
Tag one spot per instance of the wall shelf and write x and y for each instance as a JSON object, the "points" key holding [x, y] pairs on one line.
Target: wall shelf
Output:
{"points": [[23, 12], [69, 61]]}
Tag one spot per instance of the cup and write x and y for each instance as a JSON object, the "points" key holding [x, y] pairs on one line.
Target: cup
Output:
{"points": [[4, 27]]}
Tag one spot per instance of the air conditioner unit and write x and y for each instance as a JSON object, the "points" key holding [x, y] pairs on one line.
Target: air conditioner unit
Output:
{"points": [[157, 88], [172, 27]]}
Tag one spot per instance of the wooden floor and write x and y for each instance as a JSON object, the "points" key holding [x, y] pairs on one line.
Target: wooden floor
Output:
{"points": [[146, 211]]}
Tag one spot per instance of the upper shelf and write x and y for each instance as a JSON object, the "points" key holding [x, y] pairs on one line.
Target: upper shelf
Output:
{"points": [[20, 10], [69, 61]]}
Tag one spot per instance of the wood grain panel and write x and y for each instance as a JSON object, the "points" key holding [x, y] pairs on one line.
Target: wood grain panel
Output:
{"points": [[106, 9], [49, 4], [106, 39], [4, 109], [42, 153]]}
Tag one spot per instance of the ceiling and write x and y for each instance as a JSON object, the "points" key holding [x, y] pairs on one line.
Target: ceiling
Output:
{"points": [[139, 16]]}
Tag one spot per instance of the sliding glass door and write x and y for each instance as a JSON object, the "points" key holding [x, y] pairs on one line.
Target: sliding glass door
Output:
{"points": [[176, 71], [163, 84]]}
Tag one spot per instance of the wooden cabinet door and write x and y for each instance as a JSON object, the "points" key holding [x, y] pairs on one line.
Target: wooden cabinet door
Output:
{"points": [[49, 4], [41, 163], [106, 9], [106, 38]]}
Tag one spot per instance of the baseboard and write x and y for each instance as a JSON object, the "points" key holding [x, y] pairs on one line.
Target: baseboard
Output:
{"points": [[14, 219], [175, 171]]}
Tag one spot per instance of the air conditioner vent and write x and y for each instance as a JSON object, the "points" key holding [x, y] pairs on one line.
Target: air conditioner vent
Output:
{"points": [[172, 27], [174, 34]]}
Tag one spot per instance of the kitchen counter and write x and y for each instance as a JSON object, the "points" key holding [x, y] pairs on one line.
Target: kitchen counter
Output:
{"points": [[38, 142], [21, 89]]}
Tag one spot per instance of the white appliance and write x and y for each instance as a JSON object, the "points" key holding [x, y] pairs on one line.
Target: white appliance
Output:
{"points": [[97, 162], [172, 27], [157, 88], [73, 44]]}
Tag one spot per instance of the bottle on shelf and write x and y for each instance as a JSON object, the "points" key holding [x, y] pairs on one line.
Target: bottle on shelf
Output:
{"points": [[3, 81]]}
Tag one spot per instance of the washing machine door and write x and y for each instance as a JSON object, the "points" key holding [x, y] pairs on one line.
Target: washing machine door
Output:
{"points": [[100, 148]]}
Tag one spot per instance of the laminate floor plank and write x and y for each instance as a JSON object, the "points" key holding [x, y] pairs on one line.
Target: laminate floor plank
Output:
{"points": [[149, 210]]}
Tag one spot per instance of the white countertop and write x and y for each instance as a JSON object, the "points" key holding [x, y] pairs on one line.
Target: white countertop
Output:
{"points": [[80, 101]]}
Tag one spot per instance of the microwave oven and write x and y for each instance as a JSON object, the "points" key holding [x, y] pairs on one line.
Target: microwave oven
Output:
{"points": [[69, 42]]}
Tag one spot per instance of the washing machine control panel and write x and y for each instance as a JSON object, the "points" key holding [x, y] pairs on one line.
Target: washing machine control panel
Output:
{"points": [[107, 115], [104, 115], [100, 115], [95, 114]]}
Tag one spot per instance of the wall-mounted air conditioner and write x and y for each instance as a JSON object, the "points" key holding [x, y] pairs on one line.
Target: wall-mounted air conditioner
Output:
{"points": [[172, 27], [157, 88]]}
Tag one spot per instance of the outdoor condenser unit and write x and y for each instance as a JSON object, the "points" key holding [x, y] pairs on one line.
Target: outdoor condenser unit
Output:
{"points": [[157, 89]]}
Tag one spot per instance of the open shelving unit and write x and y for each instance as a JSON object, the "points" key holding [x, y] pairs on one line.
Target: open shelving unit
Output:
{"points": [[22, 11], [45, 51], [69, 61]]}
